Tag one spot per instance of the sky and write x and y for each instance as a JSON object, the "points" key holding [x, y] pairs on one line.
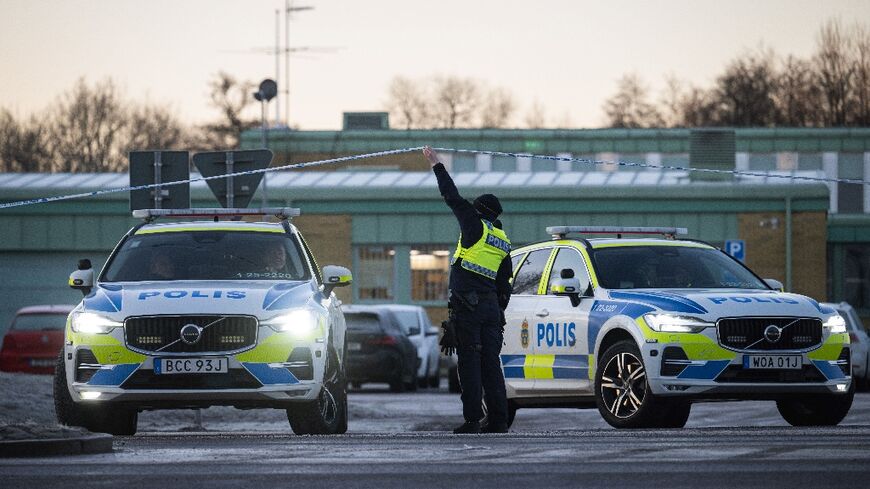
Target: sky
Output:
{"points": [[563, 55]]}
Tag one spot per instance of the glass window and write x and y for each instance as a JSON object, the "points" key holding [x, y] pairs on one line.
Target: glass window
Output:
{"points": [[670, 267], [504, 163], [809, 161], [409, 321], [430, 268], [207, 255], [856, 275], [39, 322], [762, 161], [375, 272], [529, 275], [568, 258], [680, 160], [366, 322], [464, 163]]}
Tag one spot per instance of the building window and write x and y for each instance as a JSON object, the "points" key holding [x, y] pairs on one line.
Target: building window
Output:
{"points": [[375, 266], [430, 267], [856, 275]]}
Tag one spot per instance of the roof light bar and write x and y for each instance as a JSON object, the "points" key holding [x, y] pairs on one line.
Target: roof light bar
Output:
{"points": [[282, 213], [559, 232]]}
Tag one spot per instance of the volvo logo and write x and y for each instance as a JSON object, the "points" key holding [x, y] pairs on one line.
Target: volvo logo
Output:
{"points": [[191, 333], [772, 333]]}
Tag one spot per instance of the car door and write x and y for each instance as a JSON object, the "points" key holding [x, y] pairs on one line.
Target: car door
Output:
{"points": [[518, 352], [561, 341]]}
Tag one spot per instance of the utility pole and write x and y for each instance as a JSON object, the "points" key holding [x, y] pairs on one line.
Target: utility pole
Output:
{"points": [[278, 63], [288, 10]]}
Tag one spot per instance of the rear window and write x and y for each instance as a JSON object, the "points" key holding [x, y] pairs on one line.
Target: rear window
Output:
{"points": [[409, 321], [39, 322], [362, 322]]}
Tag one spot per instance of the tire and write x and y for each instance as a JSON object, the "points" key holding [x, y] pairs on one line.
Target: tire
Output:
{"points": [[453, 380], [816, 410], [326, 415], [114, 420], [675, 414], [356, 385], [397, 386], [423, 382], [622, 392], [412, 385], [435, 381]]}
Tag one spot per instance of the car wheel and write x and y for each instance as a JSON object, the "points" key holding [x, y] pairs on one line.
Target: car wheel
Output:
{"points": [[100, 419], [326, 415], [435, 381], [453, 380], [622, 392], [423, 382], [816, 410]]}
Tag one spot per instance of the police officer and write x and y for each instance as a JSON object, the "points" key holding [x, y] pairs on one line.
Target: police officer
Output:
{"points": [[479, 293]]}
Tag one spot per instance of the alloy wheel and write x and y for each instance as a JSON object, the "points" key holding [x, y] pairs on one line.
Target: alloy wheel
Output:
{"points": [[623, 385]]}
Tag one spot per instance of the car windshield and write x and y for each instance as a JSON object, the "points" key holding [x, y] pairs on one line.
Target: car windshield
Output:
{"points": [[39, 322], [207, 255], [670, 267]]}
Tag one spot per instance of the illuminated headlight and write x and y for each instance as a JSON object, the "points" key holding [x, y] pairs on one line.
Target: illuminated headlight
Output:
{"points": [[88, 322], [668, 323], [299, 322], [836, 324]]}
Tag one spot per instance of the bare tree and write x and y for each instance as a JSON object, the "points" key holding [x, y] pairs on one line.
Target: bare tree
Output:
{"points": [[406, 101], [85, 126], [23, 145], [835, 72], [670, 102], [457, 100], [798, 95], [699, 107], [746, 90], [630, 105], [861, 80], [231, 97], [153, 127], [498, 109], [536, 116]]}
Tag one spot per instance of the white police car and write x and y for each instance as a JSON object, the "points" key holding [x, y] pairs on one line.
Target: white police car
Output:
{"points": [[204, 313], [641, 328]]}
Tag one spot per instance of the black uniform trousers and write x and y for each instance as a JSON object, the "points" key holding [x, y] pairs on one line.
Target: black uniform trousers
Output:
{"points": [[480, 334]]}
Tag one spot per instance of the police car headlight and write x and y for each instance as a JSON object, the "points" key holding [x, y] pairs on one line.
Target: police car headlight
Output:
{"points": [[299, 322], [836, 324], [88, 322], [668, 323]]}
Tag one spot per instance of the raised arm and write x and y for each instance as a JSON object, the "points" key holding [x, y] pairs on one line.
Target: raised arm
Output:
{"points": [[469, 222]]}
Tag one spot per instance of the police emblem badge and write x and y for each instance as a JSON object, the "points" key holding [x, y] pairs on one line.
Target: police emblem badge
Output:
{"points": [[524, 334]]}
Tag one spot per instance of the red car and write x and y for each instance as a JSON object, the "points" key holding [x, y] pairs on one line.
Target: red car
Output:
{"points": [[34, 339]]}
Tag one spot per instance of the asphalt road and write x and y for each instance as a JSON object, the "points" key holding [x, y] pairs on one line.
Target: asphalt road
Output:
{"points": [[399, 441]]}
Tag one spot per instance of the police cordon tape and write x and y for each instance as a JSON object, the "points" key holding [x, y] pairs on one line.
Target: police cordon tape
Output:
{"points": [[43, 200]]}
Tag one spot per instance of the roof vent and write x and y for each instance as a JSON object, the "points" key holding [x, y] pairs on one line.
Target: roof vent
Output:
{"points": [[713, 149], [366, 121]]}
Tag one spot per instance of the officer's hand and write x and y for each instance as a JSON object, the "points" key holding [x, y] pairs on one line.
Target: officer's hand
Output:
{"points": [[430, 155]]}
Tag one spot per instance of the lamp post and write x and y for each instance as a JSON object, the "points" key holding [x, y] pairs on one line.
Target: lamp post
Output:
{"points": [[266, 92]]}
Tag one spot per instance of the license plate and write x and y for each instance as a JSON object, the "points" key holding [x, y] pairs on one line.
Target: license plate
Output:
{"points": [[354, 347], [165, 366], [772, 362], [42, 362]]}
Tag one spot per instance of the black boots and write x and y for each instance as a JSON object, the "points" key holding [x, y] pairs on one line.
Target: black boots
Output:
{"points": [[469, 428], [494, 428]]}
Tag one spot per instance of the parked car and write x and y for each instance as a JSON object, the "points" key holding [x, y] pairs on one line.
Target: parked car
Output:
{"points": [[378, 350], [415, 323], [860, 344], [34, 339]]}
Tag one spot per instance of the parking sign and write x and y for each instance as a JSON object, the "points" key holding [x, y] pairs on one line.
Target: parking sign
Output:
{"points": [[736, 248]]}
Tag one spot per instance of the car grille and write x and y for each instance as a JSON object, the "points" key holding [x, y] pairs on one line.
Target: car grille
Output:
{"points": [[234, 379], [162, 334], [748, 334]]}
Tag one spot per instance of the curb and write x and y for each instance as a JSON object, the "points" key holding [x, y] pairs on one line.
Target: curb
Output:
{"points": [[98, 443]]}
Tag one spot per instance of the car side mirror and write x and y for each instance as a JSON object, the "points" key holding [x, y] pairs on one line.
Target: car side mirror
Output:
{"points": [[335, 276], [432, 331], [774, 284], [567, 285], [83, 278]]}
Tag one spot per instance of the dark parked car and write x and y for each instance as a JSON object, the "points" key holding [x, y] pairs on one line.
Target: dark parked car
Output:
{"points": [[34, 339], [378, 350]]}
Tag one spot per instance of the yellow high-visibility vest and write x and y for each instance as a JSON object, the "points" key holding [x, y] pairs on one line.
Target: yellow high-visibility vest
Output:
{"points": [[485, 256]]}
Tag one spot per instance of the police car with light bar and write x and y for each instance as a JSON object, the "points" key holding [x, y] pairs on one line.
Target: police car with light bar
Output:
{"points": [[204, 313], [643, 327]]}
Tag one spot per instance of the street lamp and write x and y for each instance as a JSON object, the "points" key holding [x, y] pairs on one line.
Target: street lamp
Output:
{"points": [[267, 91]]}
